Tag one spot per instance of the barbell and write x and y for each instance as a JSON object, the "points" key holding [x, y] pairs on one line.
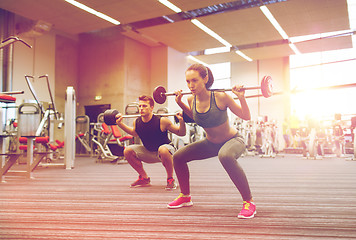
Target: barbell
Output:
{"points": [[12, 92], [160, 94], [110, 116]]}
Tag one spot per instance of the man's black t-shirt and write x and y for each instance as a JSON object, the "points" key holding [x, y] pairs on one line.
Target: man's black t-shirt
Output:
{"points": [[150, 133]]}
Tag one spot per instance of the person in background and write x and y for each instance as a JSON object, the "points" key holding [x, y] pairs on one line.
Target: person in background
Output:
{"points": [[294, 125], [286, 132]]}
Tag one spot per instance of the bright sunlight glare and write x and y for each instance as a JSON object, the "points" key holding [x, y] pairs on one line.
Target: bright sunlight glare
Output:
{"points": [[323, 105], [315, 73], [324, 69]]}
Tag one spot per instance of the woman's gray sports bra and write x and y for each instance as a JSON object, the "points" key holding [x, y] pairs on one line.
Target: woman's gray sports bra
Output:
{"points": [[213, 117]]}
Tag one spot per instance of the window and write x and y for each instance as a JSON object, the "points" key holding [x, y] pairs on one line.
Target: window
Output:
{"points": [[312, 73], [222, 75]]}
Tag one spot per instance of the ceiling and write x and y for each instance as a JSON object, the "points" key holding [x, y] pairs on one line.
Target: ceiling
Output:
{"points": [[245, 28]]}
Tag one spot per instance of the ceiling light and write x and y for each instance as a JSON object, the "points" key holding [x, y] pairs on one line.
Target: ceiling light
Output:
{"points": [[320, 36], [294, 48], [196, 60], [278, 27], [217, 37], [274, 22], [216, 50], [92, 11], [351, 5], [243, 55], [170, 5], [210, 32]]}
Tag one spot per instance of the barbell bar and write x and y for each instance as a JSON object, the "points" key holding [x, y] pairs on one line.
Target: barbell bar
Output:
{"points": [[110, 116], [160, 94], [12, 92]]}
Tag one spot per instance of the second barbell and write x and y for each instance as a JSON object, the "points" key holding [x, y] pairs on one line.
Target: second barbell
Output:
{"points": [[110, 116]]}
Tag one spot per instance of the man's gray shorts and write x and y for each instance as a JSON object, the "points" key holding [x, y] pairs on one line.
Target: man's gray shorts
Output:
{"points": [[147, 156]]}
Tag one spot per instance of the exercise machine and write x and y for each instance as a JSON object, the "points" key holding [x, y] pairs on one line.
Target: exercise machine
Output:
{"points": [[82, 136], [110, 143]]}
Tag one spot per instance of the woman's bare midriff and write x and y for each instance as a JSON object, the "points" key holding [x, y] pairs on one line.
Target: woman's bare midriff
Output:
{"points": [[220, 133]]}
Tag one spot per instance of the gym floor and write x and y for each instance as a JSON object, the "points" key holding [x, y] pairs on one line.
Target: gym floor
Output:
{"points": [[296, 199]]}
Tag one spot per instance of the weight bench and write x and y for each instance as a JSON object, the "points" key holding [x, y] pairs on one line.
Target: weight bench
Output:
{"points": [[118, 137], [50, 149], [6, 164], [30, 163], [12, 157], [121, 142], [44, 141], [7, 99]]}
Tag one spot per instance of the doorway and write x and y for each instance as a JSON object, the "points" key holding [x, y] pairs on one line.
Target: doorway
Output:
{"points": [[93, 111]]}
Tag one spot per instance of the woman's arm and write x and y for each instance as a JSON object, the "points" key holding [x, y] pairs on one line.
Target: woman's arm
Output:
{"points": [[186, 108], [242, 110], [180, 130]]}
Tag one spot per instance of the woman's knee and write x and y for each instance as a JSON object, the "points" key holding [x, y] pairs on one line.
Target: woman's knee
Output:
{"points": [[178, 158], [228, 154], [225, 157]]}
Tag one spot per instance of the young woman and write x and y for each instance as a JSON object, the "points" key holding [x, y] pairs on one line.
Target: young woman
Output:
{"points": [[209, 110]]}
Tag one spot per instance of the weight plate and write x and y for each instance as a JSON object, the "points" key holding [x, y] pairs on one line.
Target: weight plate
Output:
{"points": [[159, 95], [109, 116], [267, 86]]}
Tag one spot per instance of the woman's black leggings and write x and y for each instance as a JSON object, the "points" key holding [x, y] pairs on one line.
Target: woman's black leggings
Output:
{"points": [[227, 152]]}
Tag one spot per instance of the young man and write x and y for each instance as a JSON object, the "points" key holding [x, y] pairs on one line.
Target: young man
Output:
{"points": [[153, 132]]}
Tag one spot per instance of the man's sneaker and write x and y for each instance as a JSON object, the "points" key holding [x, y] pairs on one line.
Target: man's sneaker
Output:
{"points": [[171, 184], [248, 210], [181, 201], [141, 182]]}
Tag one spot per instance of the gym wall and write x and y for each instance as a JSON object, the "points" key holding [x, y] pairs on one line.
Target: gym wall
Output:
{"points": [[101, 69], [66, 69], [37, 61], [119, 69], [50, 54], [104, 63], [159, 69], [177, 64]]}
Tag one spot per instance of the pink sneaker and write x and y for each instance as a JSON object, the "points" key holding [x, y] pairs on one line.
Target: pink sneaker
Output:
{"points": [[181, 201], [248, 210]]}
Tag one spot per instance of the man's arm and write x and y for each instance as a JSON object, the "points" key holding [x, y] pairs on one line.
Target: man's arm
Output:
{"points": [[123, 126]]}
